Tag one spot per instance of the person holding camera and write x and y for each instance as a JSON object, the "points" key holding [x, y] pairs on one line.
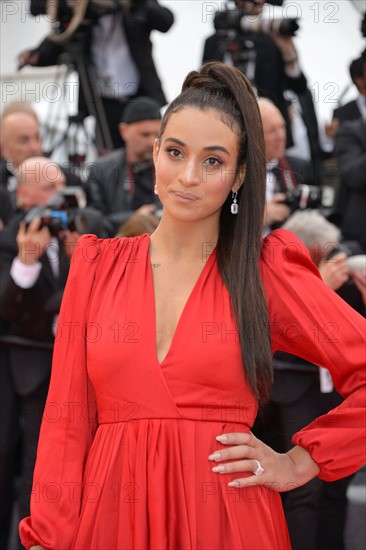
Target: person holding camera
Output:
{"points": [[122, 182], [20, 139], [284, 173], [34, 267], [265, 53], [113, 42]]}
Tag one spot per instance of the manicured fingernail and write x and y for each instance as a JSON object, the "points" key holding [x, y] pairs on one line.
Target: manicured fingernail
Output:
{"points": [[234, 484], [214, 456], [221, 438], [221, 468]]}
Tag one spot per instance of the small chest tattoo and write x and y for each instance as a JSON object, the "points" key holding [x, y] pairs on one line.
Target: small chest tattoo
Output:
{"points": [[155, 266]]}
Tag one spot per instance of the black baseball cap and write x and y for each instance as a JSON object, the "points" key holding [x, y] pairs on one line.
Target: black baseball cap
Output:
{"points": [[141, 108]]}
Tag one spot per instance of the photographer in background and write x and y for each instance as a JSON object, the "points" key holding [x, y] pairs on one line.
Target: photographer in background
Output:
{"points": [[284, 173], [122, 182], [116, 44], [267, 57], [20, 139], [33, 271], [315, 512]]}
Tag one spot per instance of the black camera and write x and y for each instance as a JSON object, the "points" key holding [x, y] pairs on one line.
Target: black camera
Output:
{"points": [[236, 19], [284, 27], [66, 210], [309, 196]]}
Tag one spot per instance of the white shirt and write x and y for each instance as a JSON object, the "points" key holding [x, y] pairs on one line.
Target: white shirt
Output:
{"points": [[301, 147], [26, 276], [270, 179], [116, 71]]}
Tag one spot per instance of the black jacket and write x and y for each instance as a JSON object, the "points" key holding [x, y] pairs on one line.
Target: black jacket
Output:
{"points": [[28, 314], [349, 111], [350, 151], [108, 189], [270, 78], [146, 16]]}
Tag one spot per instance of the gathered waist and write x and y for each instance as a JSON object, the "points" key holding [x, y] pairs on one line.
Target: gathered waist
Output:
{"points": [[135, 420]]}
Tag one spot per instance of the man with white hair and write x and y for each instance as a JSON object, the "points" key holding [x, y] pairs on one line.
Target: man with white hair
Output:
{"points": [[284, 173], [19, 140]]}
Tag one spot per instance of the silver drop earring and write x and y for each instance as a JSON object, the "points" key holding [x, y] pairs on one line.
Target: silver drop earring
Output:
{"points": [[234, 205], [155, 189]]}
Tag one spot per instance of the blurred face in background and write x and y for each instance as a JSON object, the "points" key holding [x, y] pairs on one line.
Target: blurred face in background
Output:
{"points": [[251, 8], [39, 180], [139, 138], [20, 138], [274, 130]]}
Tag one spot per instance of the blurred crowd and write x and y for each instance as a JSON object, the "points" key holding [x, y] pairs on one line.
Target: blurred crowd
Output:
{"points": [[315, 187]]}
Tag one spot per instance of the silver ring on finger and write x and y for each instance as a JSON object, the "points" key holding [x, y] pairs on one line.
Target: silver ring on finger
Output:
{"points": [[259, 469]]}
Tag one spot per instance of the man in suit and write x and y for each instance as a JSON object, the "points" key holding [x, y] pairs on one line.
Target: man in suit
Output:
{"points": [[350, 152], [355, 109], [122, 183], [284, 173], [269, 61], [33, 271], [117, 45], [305, 131]]}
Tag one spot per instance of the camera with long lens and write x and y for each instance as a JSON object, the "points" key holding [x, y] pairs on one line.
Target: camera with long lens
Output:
{"points": [[309, 196], [234, 18], [65, 211]]}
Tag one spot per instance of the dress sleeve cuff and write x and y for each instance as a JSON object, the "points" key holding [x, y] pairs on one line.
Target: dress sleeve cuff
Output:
{"points": [[24, 275]]}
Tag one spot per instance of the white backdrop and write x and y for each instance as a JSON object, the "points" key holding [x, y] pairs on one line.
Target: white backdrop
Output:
{"points": [[328, 39]]}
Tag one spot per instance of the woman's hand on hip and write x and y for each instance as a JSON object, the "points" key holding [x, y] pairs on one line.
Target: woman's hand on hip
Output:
{"points": [[244, 453]]}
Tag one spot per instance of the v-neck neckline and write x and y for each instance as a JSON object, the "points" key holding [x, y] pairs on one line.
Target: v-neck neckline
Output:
{"points": [[206, 266]]}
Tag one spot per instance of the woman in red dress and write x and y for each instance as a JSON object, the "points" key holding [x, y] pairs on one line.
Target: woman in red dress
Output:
{"points": [[164, 349]]}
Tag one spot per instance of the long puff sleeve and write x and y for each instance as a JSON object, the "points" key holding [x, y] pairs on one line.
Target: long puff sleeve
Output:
{"points": [[311, 321], [70, 416]]}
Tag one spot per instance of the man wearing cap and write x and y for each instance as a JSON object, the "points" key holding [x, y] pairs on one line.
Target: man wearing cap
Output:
{"points": [[122, 182]]}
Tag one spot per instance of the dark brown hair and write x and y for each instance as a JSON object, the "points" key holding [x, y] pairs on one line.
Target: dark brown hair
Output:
{"points": [[226, 90], [138, 224]]}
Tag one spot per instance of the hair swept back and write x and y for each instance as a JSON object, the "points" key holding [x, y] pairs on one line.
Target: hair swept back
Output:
{"points": [[225, 89]]}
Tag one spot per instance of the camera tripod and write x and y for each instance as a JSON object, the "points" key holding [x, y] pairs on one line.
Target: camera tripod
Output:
{"points": [[89, 102]]}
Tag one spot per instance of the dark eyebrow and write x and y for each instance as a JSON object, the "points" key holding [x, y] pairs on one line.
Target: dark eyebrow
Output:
{"points": [[176, 140], [208, 148], [217, 148]]}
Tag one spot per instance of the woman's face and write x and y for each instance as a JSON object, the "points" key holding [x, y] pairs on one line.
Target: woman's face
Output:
{"points": [[196, 164]]}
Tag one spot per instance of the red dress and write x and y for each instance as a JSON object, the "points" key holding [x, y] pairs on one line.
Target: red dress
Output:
{"points": [[122, 459]]}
